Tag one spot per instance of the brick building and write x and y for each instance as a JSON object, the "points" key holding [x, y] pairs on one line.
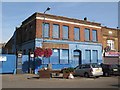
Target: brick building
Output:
{"points": [[111, 38], [73, 41]]}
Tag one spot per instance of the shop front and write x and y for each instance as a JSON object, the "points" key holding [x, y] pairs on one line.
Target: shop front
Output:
{"points": [[111, 57]]}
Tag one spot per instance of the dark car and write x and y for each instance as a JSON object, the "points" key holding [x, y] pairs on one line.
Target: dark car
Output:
{"points": [[109, 70]]}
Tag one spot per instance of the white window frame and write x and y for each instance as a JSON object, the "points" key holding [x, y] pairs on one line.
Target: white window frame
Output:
{"points": [[111, 44]]}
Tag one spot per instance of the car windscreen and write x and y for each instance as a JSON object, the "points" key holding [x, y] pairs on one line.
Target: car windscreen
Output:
{"points": [[114, 66], [96, 66], [76, 67]]}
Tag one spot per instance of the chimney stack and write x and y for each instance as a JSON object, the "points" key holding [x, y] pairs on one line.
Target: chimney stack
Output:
{"points": [[85, 18]]}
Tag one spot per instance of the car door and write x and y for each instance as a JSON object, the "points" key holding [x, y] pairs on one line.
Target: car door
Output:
{"points": [[82, 70], [78, 70]]}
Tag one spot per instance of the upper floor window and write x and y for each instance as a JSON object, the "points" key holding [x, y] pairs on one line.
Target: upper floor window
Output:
{"points": [[56, 31], [77, 33], [26, 29], [87, 34], [45, 30], [65, 32], [29, 35], [31, 26], [111, 44], [94, 35]]}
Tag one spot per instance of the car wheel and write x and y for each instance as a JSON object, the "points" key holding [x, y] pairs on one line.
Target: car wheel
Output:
{"points": [[97, 76], [106, 74], [86, 75]]}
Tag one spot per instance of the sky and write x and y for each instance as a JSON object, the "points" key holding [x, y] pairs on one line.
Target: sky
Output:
{"points": [[13, 13]]}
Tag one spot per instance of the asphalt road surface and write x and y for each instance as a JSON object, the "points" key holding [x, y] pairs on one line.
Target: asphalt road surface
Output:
{"points": [[29, 81]]}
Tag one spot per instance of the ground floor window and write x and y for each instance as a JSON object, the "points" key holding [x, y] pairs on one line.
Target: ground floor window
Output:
{"points": [[58, 57], [61, 56], [94, 56], [64, 56], [46, 60], [54, 59], [87, 56]]}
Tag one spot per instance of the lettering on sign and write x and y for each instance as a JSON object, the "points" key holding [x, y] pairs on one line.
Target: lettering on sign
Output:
{"points": [[3, 58], [112, 54]]}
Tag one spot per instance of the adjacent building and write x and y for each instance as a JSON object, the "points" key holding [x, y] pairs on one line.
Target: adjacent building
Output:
{"points": [[111, 45], [2, 48], [110, 38], [119, 40], [73, 41]]}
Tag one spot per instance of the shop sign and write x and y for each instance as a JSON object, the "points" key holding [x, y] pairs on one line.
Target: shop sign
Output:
{"points": [[113, 54], [3, 58]]}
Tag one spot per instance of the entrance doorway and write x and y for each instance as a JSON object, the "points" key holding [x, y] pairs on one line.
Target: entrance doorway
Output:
{"points": [[77, 57]]}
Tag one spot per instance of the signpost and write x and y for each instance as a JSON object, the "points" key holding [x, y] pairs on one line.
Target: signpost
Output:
{"points": [[32, 63], [19, 63]]}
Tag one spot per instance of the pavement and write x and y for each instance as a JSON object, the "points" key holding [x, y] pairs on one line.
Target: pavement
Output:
{"points": [[32, 81]]}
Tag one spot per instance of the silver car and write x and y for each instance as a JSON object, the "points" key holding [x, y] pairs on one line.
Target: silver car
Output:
{"points": [[88, 70]]}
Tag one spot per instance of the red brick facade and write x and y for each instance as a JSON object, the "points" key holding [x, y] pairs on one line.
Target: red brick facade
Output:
{"points": [[29, 33], [71, 31], [114, 36], [31, 28]]}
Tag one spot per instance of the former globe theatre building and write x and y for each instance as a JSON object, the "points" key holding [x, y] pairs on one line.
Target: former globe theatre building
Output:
{"points": [[72, 41]]}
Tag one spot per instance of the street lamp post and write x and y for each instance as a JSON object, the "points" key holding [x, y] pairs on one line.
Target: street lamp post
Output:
{"points": [[118, 47], [44, 30], [44, 24]]}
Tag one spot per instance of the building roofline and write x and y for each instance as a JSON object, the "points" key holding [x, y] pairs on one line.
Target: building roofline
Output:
{"points": [[38, 14], [110, 28]]}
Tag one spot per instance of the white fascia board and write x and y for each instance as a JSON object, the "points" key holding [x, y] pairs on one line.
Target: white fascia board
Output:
{"points": [[62, 21]]}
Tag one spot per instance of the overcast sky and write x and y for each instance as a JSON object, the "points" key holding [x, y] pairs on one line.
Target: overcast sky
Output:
{"points": [[13, 13]]}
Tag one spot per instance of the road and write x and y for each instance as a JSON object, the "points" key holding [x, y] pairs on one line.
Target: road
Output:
{"points": [[27, 81]]}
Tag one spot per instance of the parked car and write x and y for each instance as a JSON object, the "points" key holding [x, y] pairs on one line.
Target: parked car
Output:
{"points": [[109, 70], [88, 70]]}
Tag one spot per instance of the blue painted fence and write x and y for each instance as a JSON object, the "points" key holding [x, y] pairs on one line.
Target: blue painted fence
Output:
{"points": [[7, 63]]}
